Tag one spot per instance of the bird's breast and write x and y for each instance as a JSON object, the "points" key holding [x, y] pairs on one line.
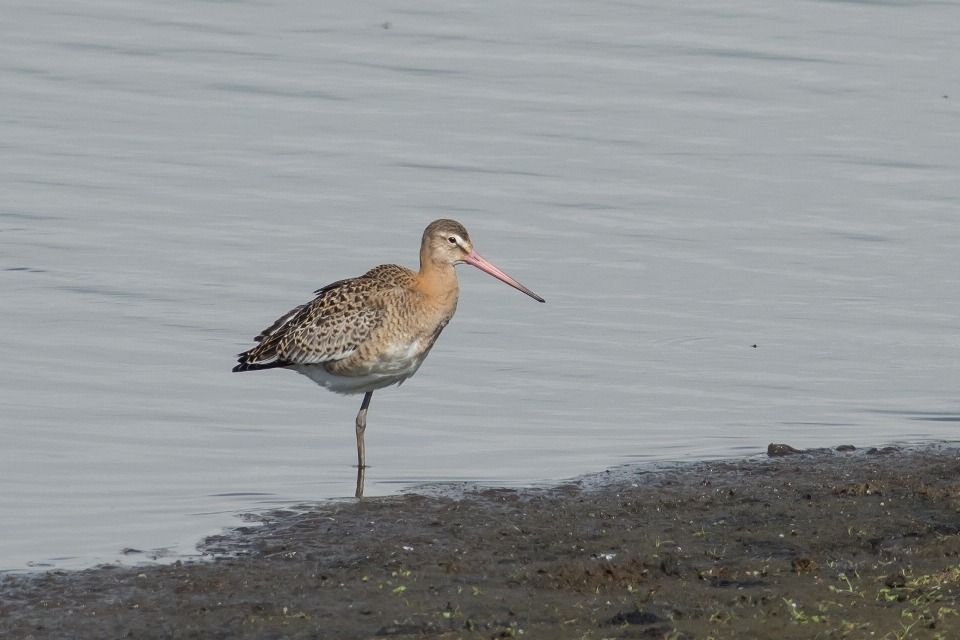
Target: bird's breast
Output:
{"points": [[409, 325], [400, 355]]}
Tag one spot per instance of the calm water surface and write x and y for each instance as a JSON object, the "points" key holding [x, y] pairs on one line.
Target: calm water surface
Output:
{"points": [[680, 181]]}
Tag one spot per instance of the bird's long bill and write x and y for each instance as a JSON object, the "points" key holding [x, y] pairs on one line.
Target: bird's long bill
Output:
{"points": [[481, 263]]}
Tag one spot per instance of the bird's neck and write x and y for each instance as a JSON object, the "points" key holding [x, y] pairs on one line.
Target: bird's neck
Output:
{"points": [[438, 281]]}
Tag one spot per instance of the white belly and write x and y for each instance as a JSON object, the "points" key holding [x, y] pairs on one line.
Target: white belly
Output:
{"points": [[393, 367]]}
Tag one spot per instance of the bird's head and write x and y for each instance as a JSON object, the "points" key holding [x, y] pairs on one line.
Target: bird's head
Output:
{"points": [[447, 242]]}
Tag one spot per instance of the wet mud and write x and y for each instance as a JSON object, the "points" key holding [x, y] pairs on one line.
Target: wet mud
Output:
{"points": [[820, 544]]}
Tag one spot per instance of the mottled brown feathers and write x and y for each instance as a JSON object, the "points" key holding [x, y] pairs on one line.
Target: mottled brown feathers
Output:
{"points": [[331, 327]]}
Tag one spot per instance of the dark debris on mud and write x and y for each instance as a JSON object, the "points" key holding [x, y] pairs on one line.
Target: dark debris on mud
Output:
{"points": [[821, 544]]}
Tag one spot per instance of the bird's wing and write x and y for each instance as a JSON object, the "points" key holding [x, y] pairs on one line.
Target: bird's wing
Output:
{"points": [[330, 327], [279, 324]]}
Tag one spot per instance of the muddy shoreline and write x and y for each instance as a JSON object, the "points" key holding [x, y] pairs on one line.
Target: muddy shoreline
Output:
{"points": [[826, 544]]}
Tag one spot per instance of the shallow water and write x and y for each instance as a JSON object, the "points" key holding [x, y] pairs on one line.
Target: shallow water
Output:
{"points": [[680, 182]]}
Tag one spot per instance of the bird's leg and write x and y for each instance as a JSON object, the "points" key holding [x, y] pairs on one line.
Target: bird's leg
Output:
{"points": [[361, 427], [361, 453], [360, 473]]}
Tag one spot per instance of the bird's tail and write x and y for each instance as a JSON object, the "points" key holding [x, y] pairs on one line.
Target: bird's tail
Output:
{"points": [[246, 362]]}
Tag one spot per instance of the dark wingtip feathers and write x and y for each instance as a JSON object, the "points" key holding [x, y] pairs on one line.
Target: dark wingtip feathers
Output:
{"points": [[246, 365]]}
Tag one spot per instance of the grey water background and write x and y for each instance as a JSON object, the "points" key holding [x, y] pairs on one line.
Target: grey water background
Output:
{"points": [[680, 181]]}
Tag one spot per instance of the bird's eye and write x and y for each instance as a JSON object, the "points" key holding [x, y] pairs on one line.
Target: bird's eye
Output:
{"points": [[452, 239]]}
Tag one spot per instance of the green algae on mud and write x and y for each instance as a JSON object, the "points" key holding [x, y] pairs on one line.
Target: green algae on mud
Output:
{"points": [[824, 544]]}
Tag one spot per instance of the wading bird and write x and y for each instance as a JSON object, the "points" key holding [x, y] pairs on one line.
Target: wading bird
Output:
{"points": [[363, 334]]}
